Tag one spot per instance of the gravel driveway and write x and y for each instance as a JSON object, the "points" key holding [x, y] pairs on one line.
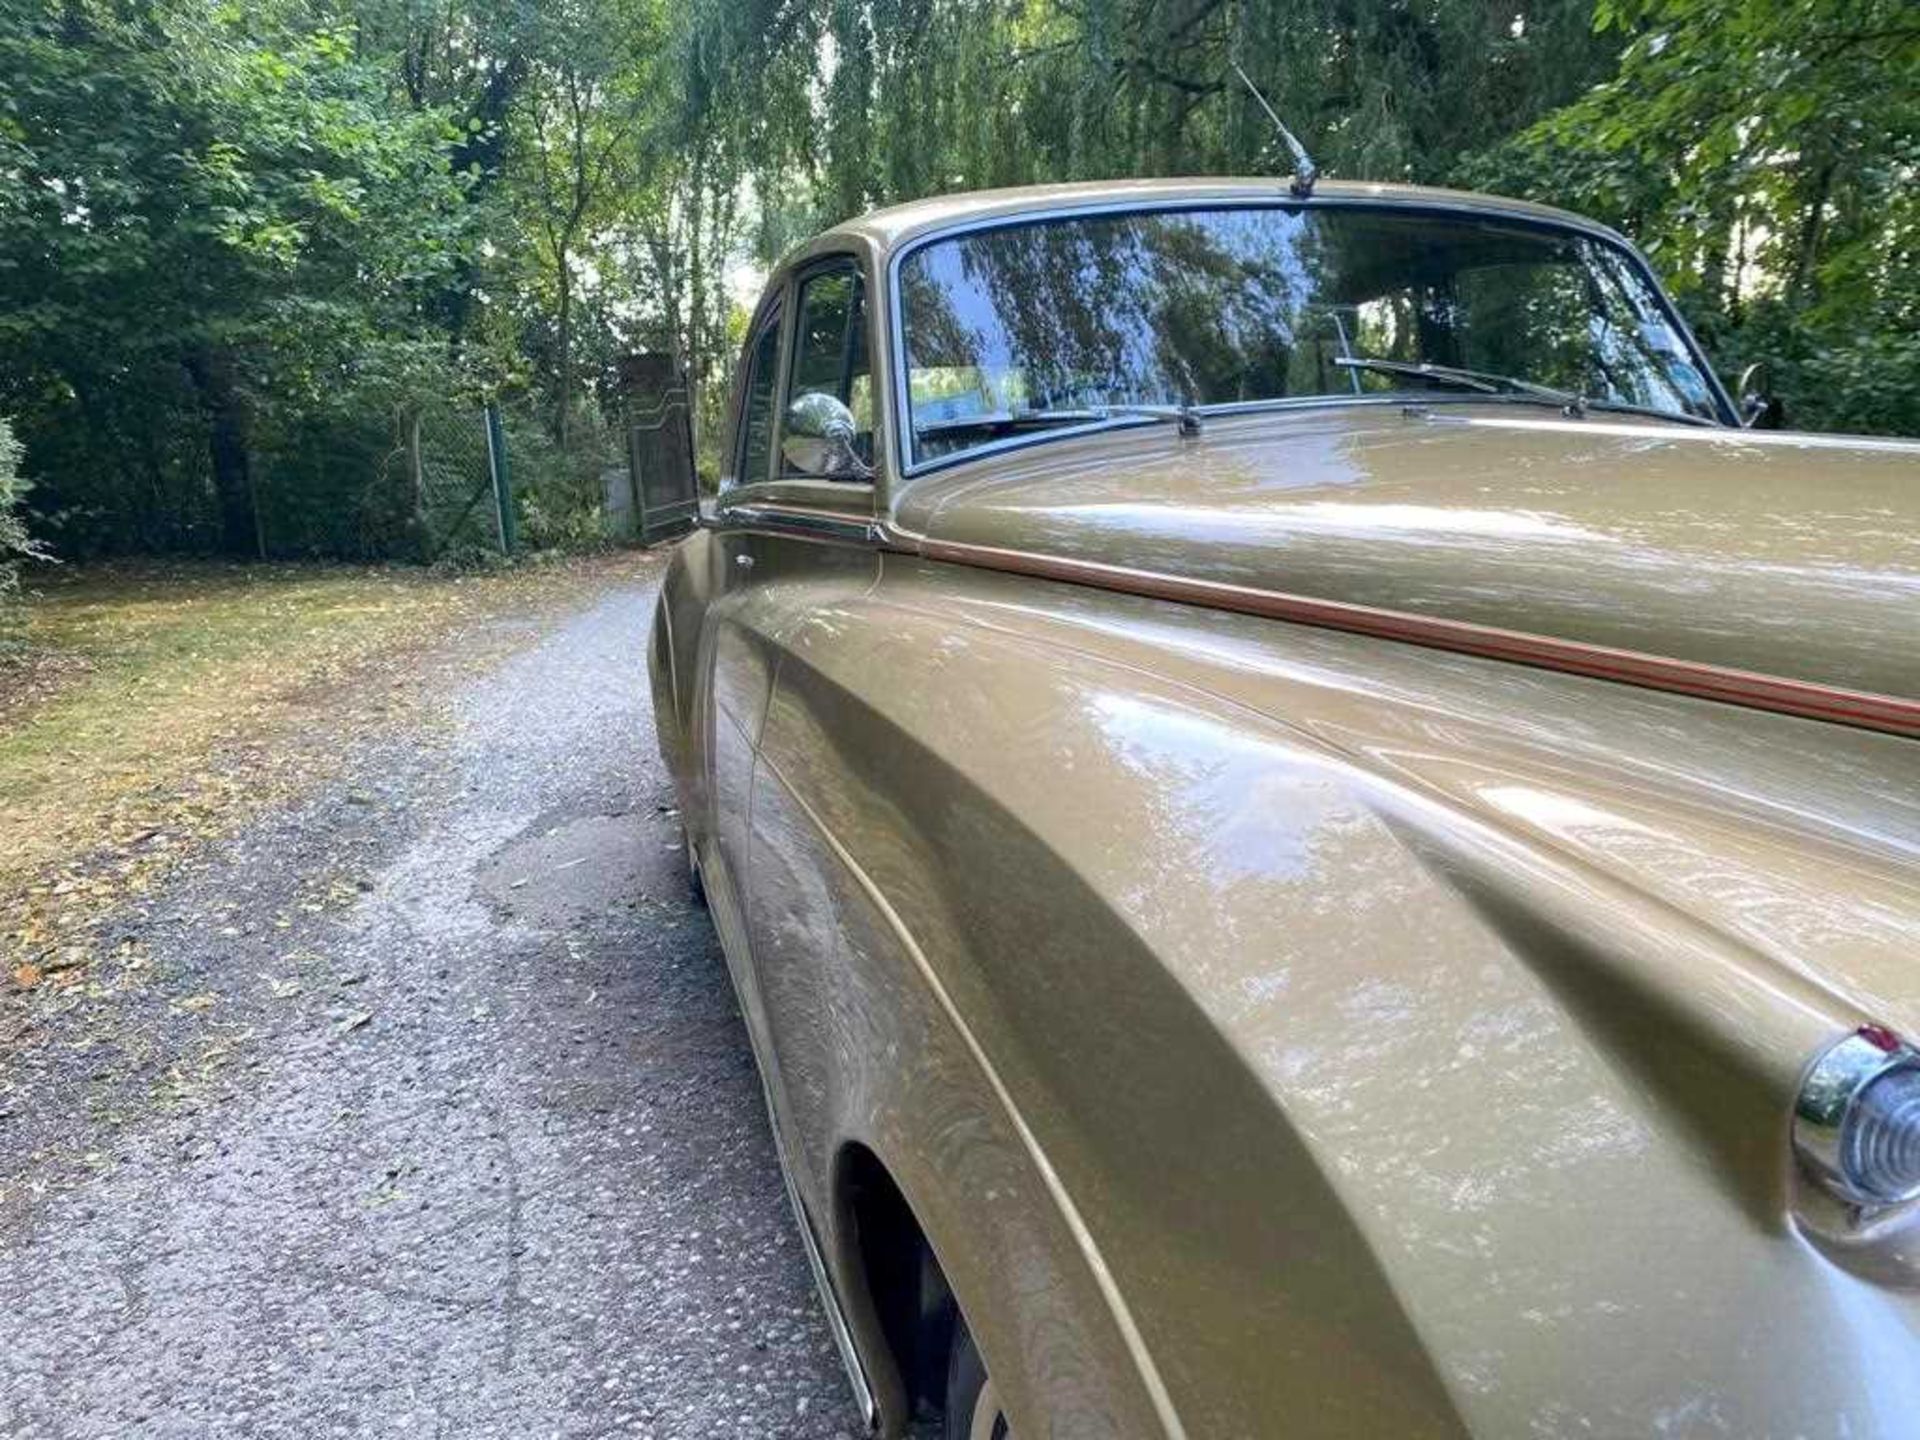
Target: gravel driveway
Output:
{"points": [[432, 1114]]}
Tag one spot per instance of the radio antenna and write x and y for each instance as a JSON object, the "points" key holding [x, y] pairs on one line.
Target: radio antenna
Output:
{"points": [[1305, 172]]}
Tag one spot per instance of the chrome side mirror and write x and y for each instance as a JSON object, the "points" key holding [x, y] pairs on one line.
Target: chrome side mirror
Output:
{"points": [[1759, 407], [819, 440]]}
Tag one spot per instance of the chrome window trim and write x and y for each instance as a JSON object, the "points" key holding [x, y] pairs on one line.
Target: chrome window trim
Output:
{"points": [[909, 469]]}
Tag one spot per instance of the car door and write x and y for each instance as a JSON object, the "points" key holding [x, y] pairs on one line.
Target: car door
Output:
{"points": [[736, 670], [781, 542], [810, 569]]}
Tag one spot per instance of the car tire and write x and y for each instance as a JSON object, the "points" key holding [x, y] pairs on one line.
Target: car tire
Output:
{"points": [[973, 1407]]}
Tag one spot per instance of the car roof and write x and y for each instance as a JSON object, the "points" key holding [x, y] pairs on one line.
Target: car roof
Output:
{"points": [[897, 224]]}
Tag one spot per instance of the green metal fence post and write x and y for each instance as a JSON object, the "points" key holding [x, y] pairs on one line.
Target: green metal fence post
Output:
{"points": [[502, 480]]}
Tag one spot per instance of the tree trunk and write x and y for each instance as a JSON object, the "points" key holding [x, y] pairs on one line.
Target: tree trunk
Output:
{"points": [[1812, 229], [696, 356], [1736, 302], [417, 476], [241, 531], [1716, 285], [564, 429]]}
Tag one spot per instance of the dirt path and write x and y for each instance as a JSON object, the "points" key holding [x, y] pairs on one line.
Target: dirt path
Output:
{"points": [[433, 1117]]}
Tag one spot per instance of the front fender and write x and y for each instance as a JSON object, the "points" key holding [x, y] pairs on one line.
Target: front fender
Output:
{"points": [[1251, 1075], [1143, 1242]]}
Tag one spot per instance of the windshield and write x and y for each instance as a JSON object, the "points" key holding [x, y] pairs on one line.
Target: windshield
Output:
{"points": [[1060, 322]]}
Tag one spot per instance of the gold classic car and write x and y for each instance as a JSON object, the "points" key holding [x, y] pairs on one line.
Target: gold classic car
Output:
{"points": [[1313, 840]]}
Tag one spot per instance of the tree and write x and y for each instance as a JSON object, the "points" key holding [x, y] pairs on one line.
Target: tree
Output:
{"points": [[689, 222], [237, 241], [585, 111], [1766, 154], [912, 97], [248, 216]]}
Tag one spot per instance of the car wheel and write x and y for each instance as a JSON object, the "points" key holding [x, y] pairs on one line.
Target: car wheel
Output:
{"points": [[973, 1407]]}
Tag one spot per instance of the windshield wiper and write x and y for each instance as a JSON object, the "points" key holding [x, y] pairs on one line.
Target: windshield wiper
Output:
{"points": [[1488, 383], [1003, 420], [1184, 415], [1485, 381], [1627, 407]]}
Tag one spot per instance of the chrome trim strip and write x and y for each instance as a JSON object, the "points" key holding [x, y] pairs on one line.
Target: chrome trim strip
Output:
{"points": [[1835, 704], [1596, 423], [807, 521], [665, 612], [1488, 209], [837, 1325], [1864, 709]]}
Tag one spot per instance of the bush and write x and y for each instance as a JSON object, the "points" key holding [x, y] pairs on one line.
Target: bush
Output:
{"points": [[15, 545], [560, 493]]}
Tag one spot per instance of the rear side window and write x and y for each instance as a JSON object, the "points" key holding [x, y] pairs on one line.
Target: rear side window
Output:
{"points": [[756, 420]]}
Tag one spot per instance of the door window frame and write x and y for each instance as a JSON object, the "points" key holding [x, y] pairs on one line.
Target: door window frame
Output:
{"points": [[796, 283], [840, 510], [773, 317]]}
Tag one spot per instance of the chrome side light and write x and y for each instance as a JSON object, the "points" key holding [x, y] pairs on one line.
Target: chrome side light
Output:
{"points": [[1857, 1123]]}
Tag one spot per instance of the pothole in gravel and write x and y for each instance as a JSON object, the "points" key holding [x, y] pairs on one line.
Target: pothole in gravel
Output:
{"points": [[562, 872]]}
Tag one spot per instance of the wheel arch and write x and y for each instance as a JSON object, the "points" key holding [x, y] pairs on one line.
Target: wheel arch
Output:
{"points": [[895, 1293]]}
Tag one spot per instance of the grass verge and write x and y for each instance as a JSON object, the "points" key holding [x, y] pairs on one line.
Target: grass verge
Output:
{"points": [[161, 705]]}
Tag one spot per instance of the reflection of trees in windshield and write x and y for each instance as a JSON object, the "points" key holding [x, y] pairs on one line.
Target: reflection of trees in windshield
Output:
{"points": [[1221, 306], [1643, 360], [937, 338], [1146, 308]]}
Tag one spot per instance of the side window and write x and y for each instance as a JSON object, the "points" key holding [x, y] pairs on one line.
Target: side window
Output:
{"points": [[756, 419], [830, 348]]}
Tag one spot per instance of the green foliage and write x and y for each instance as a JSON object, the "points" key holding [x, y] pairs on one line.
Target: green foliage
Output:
{"points": [[15, 543], [559, 491], [241, 247], [13, 487], [1765, 154], [221, 229], [911, 97]]}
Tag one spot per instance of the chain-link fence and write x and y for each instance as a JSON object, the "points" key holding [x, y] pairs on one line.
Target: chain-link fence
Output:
{"points": [[433, 480], [459, 471], [424, 481]]}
